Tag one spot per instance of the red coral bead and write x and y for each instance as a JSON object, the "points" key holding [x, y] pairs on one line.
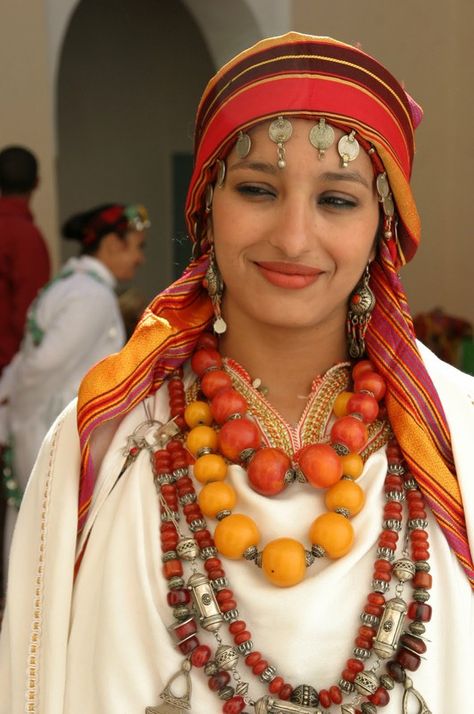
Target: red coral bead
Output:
{"points": [[320, 465], [205, 359], [237, 436], [363, 366], [335, 694], [275, 685], [419, 611], [261, 665], [207, 340], [213, 381], [285, 692], [267, 470], [350, 432], [372, 383], [253, 658], [380, 697], [218, 681], [234, 705], [226, 403], [325, 698], [237, 626], [188, 645], [242, 637], [364, 405], [201, 656], [408, 660]]}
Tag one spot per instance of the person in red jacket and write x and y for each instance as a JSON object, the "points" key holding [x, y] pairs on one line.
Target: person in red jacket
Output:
{"points": [[24, 259], [24, 265]]}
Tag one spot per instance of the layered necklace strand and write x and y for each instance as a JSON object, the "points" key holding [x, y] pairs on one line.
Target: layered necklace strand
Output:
{"points": [[390, 630]]}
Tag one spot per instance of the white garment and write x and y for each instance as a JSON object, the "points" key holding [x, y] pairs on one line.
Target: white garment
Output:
{"points": [[80, 318], [102, 647]]}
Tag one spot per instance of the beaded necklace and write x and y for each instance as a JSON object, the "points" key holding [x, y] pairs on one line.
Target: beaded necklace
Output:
{"points": [[390, 631]]}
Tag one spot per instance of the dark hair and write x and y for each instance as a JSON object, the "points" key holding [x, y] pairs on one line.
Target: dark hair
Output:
{"points": [[18, 170], [91, 226]]}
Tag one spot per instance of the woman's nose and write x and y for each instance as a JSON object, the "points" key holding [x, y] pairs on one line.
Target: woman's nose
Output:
{"points": [[295, 229]]}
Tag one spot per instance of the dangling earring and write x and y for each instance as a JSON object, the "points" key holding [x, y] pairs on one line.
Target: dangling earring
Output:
{"points": [[215, 287], [361, 305], [386, 199]]}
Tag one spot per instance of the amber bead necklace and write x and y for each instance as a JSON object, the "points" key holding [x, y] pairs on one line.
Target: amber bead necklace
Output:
{"points": [[381, 632]]}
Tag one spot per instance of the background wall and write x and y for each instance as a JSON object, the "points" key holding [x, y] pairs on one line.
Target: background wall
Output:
{"points": [[80, 79]]}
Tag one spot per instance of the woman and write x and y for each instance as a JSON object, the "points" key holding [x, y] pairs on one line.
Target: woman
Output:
{"points": [[301, 213], [74, 323]]}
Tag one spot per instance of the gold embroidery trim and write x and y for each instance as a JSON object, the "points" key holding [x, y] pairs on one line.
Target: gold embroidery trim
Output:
{"points": [[32, 673]]}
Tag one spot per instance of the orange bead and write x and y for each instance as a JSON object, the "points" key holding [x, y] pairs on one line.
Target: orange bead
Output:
{"points": [[340, 404], [210, 467], [216, 497], [201, 437], [349, 432], [320, 464], [345, 494], [198, 413], [283, 562], [332, 532], [234, 534], [352, 465]]}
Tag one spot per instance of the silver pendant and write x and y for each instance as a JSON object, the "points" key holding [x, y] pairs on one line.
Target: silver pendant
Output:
{"points": [[172, 704], [268, 705], [410, 691]]}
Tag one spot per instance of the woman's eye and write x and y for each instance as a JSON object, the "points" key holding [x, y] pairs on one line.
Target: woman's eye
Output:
{"points": [[255, 191], [337, 201]]}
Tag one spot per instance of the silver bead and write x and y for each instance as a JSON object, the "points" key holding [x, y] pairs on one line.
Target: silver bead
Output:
{"points": [[417, 628], [231, 615], [417, 524], [187, 499], [176, 583], [343, 512], [181, 612], [187, 549], [404, 569], [169, 555], [209, 551], [388, 634], [199, 524], [305, 695], [368, 708], [421, 595], [251, 552], [348, 709], [366, 683], [226, 657], [410, 484], [318, 551], [379, 586], [309, 558], [395, 496], [242, 688], [179, 473], [210, 668], [169, 516], [220, 583], [385, 554], [165, 479], [361, 653], [205, 603], [245, 648], [387, 681], [223, 514], [392, 524], [396, 469], [268, 674], [346, 686], [422, 565], [371, 620], [226, 693]]}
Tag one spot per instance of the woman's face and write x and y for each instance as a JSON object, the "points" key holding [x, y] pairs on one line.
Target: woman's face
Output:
{"points": [[123, 256], [292, 243]]}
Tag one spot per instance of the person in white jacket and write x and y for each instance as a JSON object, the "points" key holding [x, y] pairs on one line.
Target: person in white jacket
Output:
{"points": [[74, 323]]}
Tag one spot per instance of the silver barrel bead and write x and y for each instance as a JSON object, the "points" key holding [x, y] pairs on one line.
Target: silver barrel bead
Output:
{"points": [[205, 602]]}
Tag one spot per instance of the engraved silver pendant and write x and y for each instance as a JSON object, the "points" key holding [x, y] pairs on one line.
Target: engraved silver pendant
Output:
{"points": [[411, 692], [268, 705], [173, 704]]}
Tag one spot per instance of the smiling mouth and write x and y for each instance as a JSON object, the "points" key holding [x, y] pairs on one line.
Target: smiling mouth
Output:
{"points": [[288, 275]]}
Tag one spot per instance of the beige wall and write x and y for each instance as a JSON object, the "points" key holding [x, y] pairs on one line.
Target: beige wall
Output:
{"points": [[429, 46], [26, 114]]}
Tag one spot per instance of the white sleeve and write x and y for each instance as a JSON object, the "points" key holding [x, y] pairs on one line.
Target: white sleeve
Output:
{"points": [[33, 643]]}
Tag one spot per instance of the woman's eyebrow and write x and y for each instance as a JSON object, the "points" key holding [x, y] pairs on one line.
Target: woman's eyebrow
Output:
{"points": [[345, 176], [255, 166]]}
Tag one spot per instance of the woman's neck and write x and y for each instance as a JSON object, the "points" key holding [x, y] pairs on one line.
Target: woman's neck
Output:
{"points": [[285, 360]]}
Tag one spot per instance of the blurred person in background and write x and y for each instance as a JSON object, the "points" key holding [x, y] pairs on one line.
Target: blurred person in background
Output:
{"points": [[24, 264], [74, 322]]}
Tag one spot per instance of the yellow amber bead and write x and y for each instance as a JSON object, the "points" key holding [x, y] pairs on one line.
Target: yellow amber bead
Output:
{"points": [[340, 403], [210, 467], [352, 465], [216, 497], [345, 494], [283, 562], [234, 534], [334, 533], [198, 413], [201, 437]]}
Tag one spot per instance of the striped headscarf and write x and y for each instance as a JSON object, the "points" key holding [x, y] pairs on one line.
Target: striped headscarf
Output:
{"points": [[308, 77]]}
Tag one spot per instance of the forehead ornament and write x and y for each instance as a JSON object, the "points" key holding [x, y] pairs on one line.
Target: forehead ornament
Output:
{"points": [[321, 136], [279, 131], [243, 145], [348, 148]]}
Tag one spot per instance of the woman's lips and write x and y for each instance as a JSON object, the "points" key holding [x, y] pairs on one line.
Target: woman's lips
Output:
{"points": [[288, 275]]}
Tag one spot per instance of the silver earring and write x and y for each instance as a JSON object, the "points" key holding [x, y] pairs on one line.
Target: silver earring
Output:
{"points": [[215, 288], [361, 305]]}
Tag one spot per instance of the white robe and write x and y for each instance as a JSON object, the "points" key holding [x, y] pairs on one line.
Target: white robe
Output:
{"points": [[101, 647]]}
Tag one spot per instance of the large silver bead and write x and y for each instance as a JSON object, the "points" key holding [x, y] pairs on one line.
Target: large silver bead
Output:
{"points": [[187, 549], [404, 569], [366, 683], [390, 628], [306, 695], [226, 657], [205, 602]]}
